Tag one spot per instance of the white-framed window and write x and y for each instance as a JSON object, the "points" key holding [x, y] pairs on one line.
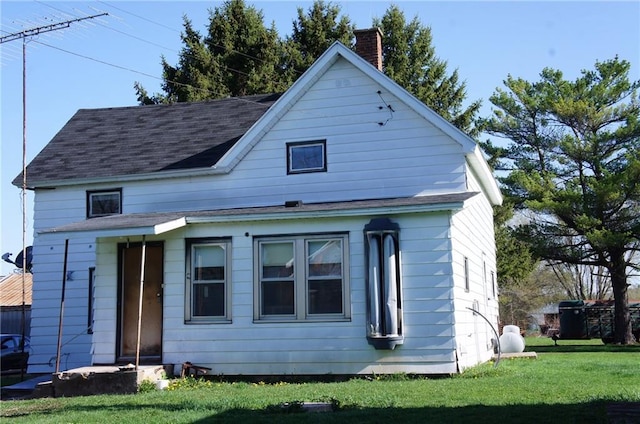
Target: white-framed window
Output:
{"points": [[302, 278], [306, 156], [208, 297], [104, 202]]}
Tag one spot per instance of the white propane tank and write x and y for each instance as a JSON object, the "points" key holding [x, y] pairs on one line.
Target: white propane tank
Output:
{"points": [[511, 341]]}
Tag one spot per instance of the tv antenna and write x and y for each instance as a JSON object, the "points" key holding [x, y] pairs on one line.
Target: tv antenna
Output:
{"points": [[24, 35]]}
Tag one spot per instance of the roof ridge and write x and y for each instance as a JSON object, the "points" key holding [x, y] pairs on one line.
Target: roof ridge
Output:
{"points": [[185, 104]]}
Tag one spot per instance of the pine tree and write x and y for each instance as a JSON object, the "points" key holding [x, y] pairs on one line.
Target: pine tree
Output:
{"points": [[573, 158], [315, 31], [238, 56], [409, 58]]}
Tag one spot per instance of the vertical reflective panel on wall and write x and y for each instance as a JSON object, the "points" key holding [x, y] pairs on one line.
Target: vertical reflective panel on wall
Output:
{"points": [[383, 281]]}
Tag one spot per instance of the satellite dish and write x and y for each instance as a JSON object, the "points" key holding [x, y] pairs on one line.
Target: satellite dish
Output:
{"points": [[29, 256]]}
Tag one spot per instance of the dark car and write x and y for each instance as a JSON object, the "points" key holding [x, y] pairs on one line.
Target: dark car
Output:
{"points": [[14, 355]]}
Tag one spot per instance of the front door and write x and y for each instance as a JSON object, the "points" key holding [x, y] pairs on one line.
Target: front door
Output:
{"points": [[129, 298]]}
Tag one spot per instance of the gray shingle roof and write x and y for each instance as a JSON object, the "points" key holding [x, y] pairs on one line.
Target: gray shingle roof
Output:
{"points": [[139, 220], [134, 140]]}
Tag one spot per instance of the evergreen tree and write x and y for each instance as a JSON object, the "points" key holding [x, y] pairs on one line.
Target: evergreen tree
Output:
{"points": [[238, 56], [409, 59], [248, 51], [574, 159], [315, 31]]}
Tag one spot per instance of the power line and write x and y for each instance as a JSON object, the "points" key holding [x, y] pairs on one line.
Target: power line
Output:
{"points": [[97, 60], [45, 28], [124, 68], [140, 17], [32, 32]]}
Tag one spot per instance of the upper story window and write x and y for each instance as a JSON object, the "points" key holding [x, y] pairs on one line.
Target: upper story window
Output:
{"points": [[307, 156], [209, 269], [302, 278], [104, 202]]}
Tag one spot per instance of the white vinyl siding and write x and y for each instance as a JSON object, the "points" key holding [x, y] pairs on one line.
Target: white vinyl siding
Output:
{"points": [[473, 239], [363, 160]]}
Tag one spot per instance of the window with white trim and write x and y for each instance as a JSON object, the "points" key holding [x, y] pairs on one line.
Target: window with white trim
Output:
{"points": [[306, 156], [302, 278], [104, 202], [208, 296]]}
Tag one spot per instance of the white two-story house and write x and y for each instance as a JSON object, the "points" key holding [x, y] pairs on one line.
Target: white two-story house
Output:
{"points": [[341, 227]]}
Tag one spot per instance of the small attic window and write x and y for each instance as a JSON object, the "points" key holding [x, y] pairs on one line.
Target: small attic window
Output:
{"points": [[104, 202], [306, 156]]}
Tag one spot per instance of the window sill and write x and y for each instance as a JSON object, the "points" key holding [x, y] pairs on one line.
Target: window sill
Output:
{"points": [[208, 321], [301, 321]]}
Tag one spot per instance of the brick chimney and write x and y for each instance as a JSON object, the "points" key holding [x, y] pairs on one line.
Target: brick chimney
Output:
{"points": [[369, 45]]}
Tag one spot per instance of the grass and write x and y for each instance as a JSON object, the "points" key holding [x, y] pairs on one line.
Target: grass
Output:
{"points": [[570, 383]]}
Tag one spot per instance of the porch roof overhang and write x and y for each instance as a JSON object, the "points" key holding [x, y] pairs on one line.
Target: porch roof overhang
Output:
{"points": [[163, 222]]}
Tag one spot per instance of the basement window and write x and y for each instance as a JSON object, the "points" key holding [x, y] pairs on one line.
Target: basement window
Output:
{"points": [[307, 156], [104, 202]]}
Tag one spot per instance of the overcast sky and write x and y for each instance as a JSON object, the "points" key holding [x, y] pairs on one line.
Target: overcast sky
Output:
{"points": [[94, 63]]}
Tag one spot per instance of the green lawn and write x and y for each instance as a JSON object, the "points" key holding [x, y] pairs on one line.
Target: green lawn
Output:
{"points": [[570, 383]]}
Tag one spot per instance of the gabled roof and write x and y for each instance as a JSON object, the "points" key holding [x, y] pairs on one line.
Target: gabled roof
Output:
{"points": [[159, 141], [136, 140], [162, 222], [337, 50]]}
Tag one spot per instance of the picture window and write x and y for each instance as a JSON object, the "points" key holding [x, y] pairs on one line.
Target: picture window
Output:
{"points": [[302, 278]]}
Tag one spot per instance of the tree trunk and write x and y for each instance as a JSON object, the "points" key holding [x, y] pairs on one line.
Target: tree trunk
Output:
{"points": [[622, 318]]}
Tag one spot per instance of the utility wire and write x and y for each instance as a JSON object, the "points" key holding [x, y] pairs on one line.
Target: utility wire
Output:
{"points": [[185, 53], [166, 48], [132, 70], [140, 17], [204, 40]]}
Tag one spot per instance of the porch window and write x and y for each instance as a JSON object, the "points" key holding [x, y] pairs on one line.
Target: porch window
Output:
{"points": [[104, 202], [302, 278], [208, 291], [308, 156]]}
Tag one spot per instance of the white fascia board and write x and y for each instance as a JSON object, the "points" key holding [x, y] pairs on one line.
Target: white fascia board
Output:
{"points": [[160, 175], [156, 229], [471, 149], [165, 227], [373, 211], [279, 108], [485, 176]]}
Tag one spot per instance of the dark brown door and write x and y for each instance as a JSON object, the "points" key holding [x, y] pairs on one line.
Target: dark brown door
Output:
{"points": [[151, 334]]}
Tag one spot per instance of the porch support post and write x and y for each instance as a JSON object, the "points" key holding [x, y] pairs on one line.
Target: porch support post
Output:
{"points": [[64, 283], [142, 263]]}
